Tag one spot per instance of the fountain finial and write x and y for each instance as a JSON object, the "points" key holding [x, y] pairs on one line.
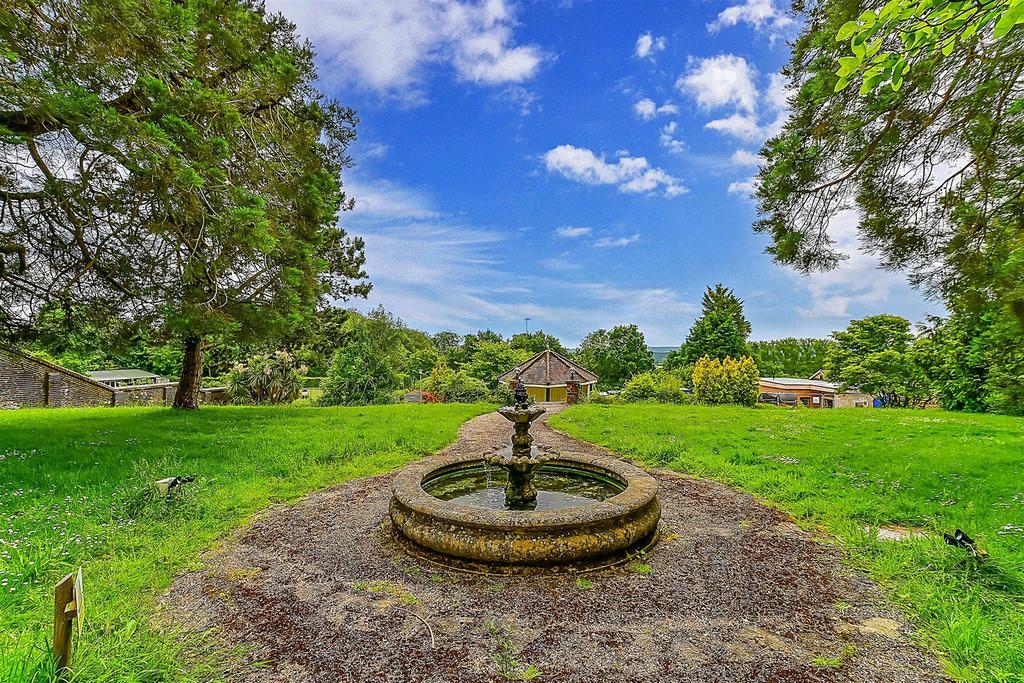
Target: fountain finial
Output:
{"points": [[522, 399]]}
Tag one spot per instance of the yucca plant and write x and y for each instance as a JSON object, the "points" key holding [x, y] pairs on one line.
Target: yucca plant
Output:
{"points": [[273, 378]]}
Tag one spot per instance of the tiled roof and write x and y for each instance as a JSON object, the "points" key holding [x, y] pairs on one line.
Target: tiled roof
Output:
{"points": [[549, 368]]}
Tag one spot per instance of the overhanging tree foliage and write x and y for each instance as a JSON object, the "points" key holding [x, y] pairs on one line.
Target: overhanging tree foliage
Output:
{"points": [[930, 158], [886, 41], [169, 162]]}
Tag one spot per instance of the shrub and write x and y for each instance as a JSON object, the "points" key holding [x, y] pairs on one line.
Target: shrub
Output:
{"points": [[454, 387], [503, 395], [655, 386], [596, 398], [725, 381], [273, 378], [684, 373], [312, 382], [359, 376]]}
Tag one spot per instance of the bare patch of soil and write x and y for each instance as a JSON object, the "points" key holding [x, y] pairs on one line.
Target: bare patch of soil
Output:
{"points": [[734, 591]]}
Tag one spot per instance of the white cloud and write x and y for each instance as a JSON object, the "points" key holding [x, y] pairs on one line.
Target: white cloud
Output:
{"points": [[762, 122], [759, 14], [742, 126], [387, 46], [648, 45], [572, 232], [744, 157], [372, 150], [661, 313], [778, 92], [487, 58], [744, 188], [605, 242], [524, 99], [383, 200], [629, 174], [559, 264], [648, 109], [720, 81], [433, 251], [669, 140], [645, 109]]}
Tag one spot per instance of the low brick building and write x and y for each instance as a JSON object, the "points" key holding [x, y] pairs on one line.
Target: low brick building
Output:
{"points": [[815, 392], [27, 381]]}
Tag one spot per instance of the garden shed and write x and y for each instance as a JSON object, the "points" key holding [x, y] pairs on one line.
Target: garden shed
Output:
{"points": [[550, 376]]}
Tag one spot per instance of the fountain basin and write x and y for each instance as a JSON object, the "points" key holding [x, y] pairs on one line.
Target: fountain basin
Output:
{"points": [[595, 532]]}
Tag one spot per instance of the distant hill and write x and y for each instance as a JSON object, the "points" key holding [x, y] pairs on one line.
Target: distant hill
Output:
{"points": [[661, 352]]}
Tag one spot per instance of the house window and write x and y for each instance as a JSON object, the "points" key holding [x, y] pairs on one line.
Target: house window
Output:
{"points": [[806, 400]]}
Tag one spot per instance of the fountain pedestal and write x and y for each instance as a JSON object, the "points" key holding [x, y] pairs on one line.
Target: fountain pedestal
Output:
{"points": [[522, 460]]}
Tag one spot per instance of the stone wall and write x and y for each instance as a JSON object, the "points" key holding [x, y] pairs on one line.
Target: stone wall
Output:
{"points": [[214, 395], [146, 394], [854, 399], [27, 382]]}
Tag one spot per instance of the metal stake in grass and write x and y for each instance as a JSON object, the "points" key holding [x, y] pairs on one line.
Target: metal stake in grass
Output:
{"points": [[68, 606]]}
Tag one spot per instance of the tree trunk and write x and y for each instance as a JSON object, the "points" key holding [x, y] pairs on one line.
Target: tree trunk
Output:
{"points": [[187, 395]]}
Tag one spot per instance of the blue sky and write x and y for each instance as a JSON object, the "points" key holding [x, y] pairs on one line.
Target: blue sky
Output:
{"points": [[584, 164]]}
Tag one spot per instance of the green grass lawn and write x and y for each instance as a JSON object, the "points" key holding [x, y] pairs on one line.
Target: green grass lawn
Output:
{"points": [[842, 470], [70, 483]]}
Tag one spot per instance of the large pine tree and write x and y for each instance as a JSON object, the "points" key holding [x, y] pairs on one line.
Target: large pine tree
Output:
{"points": [[170, 163], [720, 332]]}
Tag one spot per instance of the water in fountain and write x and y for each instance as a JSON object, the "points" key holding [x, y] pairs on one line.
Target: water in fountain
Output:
{"points": [[557, 487]]}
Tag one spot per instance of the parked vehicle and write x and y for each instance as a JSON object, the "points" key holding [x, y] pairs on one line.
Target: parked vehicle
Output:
{"points": [[777, 398]]}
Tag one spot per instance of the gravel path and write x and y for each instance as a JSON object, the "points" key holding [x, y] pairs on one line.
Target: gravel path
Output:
{"points": [[734, 592]]}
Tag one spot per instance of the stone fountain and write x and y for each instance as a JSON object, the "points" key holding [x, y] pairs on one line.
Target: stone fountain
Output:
{"points": [[522, 459], [556, 511]]}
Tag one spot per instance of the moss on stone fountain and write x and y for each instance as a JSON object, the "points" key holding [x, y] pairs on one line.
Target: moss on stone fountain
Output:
{"points": [[483, 538]]}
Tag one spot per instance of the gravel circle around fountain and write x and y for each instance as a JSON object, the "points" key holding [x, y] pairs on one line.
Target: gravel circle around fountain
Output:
{"points": [[733, 591]]}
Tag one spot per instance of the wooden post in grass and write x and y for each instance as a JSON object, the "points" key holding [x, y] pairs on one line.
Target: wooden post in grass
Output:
{"points": [[68, 606]]}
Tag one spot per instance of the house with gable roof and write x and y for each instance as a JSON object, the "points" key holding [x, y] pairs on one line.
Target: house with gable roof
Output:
{"points": [[551, 377]]}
